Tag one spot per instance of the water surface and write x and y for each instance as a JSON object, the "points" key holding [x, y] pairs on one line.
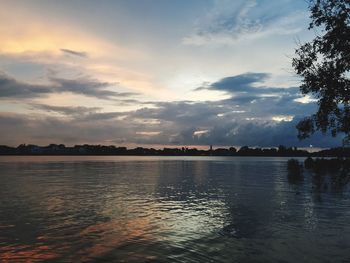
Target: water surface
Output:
{"points": [[169, 209]]}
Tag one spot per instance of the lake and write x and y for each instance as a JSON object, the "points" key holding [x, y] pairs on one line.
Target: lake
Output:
{"points": [[169, 209]]}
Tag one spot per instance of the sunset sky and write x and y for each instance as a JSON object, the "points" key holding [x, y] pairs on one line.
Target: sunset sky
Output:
{"points": [[153, 72]]}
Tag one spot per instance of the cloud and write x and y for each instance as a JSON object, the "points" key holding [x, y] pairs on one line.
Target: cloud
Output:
{"points": [[11, 88], [239, 83], [79, 114], [42, 42], [74, 53], [255, 115], [257, 126], [16, 129], [65, 110], [87, 87], [248, 87], [229, 22], [263, 134]]}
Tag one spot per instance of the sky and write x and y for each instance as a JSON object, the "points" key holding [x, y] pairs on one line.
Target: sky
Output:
{"points": [[153, 73]]}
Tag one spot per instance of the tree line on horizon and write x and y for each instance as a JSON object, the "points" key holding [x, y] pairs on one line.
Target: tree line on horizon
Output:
{"points": [[86, 149]]}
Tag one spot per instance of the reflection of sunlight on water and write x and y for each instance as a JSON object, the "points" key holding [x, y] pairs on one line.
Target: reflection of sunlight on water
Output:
{"points": [[192, 221], [310, 217], [111, 235], [26, 253]]}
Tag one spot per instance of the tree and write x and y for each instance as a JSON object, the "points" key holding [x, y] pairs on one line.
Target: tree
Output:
{"points": [[324, 65]]}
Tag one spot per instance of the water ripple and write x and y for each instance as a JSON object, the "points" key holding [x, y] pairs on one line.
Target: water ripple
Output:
{"points": [[155, 209]]}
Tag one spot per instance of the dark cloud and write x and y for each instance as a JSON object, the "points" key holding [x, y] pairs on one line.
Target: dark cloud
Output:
{"points": [[247, 118], [239, 83], [182, 113], [79, 113], [263, 134], [267, 107], [248, 85], [11, 88], [66, 110], [226, 123], [16, 129], [74, 52], [87, 87], [98, 116]]}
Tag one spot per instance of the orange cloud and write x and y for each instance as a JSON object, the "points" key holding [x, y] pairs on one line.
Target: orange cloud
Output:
{"points": [[47, 43]]}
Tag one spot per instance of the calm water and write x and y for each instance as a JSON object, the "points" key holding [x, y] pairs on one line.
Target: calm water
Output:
{"points": [[168, 209]]}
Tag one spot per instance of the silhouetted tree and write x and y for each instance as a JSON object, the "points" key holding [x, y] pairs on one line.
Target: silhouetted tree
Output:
{"points": [[324, 65]]}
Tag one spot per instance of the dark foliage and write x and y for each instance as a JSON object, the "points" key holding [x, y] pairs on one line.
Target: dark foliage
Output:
{"points": [[322, 166], [309, 163], [331, 174], [86, 149], [324, 65], [294, 166], [295, 171]]}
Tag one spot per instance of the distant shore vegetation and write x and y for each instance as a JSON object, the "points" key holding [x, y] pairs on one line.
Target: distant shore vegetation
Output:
{"points": [[86, 149]]}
